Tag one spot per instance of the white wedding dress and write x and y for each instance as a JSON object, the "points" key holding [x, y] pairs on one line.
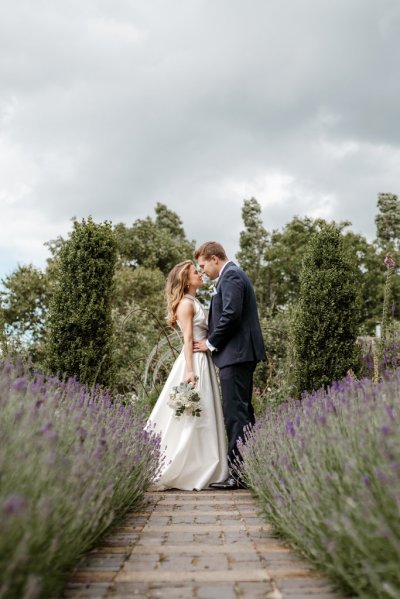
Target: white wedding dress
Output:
{"points": [[194, 447]]}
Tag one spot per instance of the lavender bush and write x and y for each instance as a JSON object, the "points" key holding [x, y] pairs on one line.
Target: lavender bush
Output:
{"points": [[326, 471], [71, 462]]}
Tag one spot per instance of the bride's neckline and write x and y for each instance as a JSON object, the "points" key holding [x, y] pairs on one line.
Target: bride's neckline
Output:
{"points": [[191, 296]]}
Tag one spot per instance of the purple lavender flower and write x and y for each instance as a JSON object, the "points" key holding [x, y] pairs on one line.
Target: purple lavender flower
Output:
{"points": [[20, 384], [389, 412], [289, 427], [82, 432], [52, 435], [46, 427], [15, 505], [389, 261], [67, 482]]}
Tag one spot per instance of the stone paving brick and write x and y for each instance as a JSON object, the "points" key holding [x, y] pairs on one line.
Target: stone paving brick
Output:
{"points": [[303, 588], [178, 519], [101, 562], [112, 550], [237, 536], [121, 539], [255, 590], [234, 519], [176, 562], [216, 538], [236, 559], [149, 536], [178, 538], [85, 591], [216, 592], [271, 544], [90, 576], [126, 589], [143, 562], [186, 592], [210, 562], [212, 519]]}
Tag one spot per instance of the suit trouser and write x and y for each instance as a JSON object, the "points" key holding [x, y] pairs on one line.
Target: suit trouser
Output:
{"points": [[237, 389]]}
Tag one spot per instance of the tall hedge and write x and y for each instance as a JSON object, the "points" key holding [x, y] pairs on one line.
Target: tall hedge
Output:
{"points": [[327, 316], [80, 327]]}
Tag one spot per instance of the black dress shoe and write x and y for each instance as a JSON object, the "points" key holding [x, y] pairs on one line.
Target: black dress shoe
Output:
{"points": [[226, 485]]}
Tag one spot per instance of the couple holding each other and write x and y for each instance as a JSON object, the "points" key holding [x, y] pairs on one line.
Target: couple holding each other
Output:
{"points": [[195, 447]]}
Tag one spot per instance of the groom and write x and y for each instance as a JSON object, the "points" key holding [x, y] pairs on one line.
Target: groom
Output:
{"points": [[235, 341]]}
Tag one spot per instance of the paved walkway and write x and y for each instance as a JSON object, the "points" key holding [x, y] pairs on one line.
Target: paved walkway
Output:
{"points": [[204, 545]]}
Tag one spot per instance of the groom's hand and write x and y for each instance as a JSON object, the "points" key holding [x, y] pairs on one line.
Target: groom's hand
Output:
{"points": [[200, 346]]}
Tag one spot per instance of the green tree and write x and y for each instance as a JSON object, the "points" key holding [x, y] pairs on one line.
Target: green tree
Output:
{"points": [[284, 256], [327, 313], [24, 302], [80, 327], [388, 222], [388, 241], [253, 243], [138, 316], [370, 277], [159, 243], [276, 275]]}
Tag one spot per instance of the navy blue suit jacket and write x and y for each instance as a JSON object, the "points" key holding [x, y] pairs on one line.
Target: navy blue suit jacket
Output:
{"points": [[234, 328]]}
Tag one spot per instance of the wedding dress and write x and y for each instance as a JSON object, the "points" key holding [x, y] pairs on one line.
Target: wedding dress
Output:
{"points": [[194, 447]]}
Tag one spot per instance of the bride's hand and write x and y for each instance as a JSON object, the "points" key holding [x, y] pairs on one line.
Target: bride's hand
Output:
{"points": [[190, 378]]}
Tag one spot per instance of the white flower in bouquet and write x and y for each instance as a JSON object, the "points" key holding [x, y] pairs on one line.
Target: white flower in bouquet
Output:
{"points": [[184, 399]]}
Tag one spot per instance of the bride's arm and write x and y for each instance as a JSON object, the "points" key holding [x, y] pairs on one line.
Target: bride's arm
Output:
{"points": [[185, 314]]}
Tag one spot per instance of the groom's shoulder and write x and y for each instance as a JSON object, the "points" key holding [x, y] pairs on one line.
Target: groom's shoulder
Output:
{"points": [[233, 271]]}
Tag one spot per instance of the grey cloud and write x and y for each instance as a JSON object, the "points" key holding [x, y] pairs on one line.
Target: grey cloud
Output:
{"points": [[114, 106]]}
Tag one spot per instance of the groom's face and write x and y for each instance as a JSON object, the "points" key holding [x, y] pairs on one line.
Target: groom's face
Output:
{"points": [[209, 267]]}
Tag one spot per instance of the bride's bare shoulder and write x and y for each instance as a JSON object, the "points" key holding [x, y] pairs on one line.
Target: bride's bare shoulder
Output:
{"points": [[185, 308]]}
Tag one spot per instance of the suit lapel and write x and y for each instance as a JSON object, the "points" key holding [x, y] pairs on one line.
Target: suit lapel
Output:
{"points": [[216, 287], [227, 267]]}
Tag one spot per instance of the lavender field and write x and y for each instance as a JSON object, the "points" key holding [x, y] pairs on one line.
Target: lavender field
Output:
{"points": [[326, 471], [72, 461]]}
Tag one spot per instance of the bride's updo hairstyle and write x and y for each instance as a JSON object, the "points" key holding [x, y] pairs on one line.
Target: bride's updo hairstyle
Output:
{"points": [[177, 282]]}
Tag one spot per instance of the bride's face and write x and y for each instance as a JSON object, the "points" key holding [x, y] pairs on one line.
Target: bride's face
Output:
{"points": [[195, 279]]}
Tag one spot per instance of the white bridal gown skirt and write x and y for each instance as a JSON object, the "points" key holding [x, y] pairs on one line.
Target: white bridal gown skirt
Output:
{"points": [[194, 448]]}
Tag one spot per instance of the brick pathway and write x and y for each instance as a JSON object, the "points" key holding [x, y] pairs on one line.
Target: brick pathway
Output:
{"points": [[204, 545]]}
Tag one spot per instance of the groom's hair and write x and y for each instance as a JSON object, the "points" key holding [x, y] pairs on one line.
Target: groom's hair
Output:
{"points": [[210, 248]]}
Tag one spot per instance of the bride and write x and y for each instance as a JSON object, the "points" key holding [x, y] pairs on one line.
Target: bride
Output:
{"points": [[194, 447]]}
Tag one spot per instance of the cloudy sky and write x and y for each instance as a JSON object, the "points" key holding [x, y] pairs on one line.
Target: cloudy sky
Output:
{"points": [[110, 106]]}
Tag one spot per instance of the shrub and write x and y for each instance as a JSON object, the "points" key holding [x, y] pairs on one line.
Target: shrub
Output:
{"points": [[273, 379], [81, 337], [326, 471], [326, 326], [72, 461], [388, 344]]}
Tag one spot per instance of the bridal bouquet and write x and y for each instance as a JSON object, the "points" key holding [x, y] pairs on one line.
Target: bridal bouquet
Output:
{"points": [[184, 399]]}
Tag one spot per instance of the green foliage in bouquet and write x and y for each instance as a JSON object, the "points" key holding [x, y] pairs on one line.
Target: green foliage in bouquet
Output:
{"points": [[327, 315], [80, 326], [184, 399]]}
